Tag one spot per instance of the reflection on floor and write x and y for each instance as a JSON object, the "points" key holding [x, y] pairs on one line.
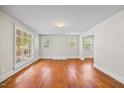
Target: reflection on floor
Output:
{"points": [[71, 73]]}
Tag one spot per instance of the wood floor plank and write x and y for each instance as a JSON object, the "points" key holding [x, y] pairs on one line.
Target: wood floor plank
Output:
{"points": [[71, 73]]}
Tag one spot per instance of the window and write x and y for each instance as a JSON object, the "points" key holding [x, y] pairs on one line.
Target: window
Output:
{"points": [[88, 42], [45, 42], [72, 42], [24, 47]]}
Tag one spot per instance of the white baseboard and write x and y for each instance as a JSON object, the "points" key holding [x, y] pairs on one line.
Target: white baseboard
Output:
{"points": [[7, 75], [113, 75], [62, 58], [59, 57], [81, 58]]}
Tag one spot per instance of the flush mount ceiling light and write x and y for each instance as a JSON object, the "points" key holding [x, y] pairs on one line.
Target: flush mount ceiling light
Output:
{"points": [[60, 24]]}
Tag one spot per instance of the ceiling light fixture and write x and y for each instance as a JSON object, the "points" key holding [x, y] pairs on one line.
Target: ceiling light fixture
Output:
{"points": [[60, 24]]}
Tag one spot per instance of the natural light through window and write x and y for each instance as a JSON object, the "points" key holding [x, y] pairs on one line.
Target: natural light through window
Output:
{"points": [[23, 45]]}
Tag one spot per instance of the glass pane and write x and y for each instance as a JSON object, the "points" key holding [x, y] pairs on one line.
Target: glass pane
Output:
{"points": [[72, 42], [23, 45]]}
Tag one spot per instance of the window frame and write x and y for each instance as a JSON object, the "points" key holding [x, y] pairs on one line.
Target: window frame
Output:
{"points": [[27, 60]]}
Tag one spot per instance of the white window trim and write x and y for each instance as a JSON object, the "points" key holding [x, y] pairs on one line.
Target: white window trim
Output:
{"points": [[15, 64]]}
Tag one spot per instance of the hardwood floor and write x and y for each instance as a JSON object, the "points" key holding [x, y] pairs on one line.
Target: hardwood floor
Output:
{"points": [[71, 73]]}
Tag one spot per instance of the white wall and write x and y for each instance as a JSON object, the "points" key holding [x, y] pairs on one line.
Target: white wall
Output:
{"points": [[59, 47], [109, 46], [7, 46]]}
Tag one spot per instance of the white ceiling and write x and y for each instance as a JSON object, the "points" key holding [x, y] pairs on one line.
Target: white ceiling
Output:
{"points": [[77, 18]]}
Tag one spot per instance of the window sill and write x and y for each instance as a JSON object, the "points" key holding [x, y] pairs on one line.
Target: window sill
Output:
{"points": [[23, 63]]}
